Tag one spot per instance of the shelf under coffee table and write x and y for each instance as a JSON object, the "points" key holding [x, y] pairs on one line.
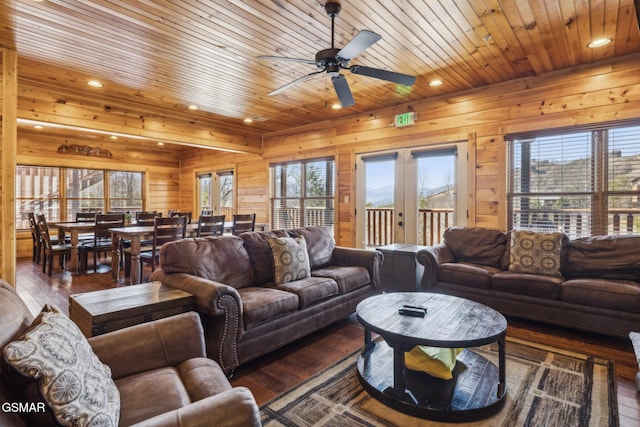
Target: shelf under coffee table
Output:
{"points": [[478, 388]]}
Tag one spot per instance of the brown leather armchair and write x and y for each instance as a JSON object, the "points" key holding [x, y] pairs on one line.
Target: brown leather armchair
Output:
{"points": [[160, 369]]}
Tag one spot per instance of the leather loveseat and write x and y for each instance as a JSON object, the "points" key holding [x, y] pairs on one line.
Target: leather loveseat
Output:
{"points": [[245, 312], [596, 286], [160, 370]]}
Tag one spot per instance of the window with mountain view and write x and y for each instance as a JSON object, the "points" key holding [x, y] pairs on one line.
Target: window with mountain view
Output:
{"points": [[583, 182], [302, 193]]}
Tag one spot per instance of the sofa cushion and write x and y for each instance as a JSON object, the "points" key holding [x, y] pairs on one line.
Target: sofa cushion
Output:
{"points": [[536, 253], [257, 246], [290, 259], [72, 380], [261, 304], [311, 289], [607, 257], [476, 245], [221, 259], [151, 393], [462, 273], [534, 285], [320, 244], [619, 295], [348, 278]]}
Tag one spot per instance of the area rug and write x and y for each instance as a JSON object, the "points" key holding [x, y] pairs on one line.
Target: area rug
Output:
{"points": [[546, 387]]}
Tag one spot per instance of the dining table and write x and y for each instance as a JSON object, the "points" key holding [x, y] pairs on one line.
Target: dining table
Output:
{"points": [[74, 229], [135, 234]]}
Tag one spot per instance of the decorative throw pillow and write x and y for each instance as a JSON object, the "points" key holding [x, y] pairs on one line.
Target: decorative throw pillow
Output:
{"points": [[435, 361], [72, 380], [290, 259], [536, 253]]}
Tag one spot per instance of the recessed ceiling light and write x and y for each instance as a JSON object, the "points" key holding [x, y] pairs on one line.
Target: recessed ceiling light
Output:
{"points": [[192, 107], [486, 37], [599, 42], [160, 143], [336, 106], [248, 120], [113, 137], [38, 127], [95, 83], [436, 82]]}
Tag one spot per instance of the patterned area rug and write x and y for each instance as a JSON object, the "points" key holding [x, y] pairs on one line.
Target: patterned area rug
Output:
{"points": [[546, 387]]}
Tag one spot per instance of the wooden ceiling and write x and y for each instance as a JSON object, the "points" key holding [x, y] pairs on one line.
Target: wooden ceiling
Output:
{"points": [[162, 55]]}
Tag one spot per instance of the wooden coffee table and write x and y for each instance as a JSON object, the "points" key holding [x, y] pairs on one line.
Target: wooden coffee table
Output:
{"points": [[478, 388], [107, 310]]}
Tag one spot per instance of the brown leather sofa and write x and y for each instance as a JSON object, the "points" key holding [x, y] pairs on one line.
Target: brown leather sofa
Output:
{"points": [[598, 288], [246, 315], [159, 368]]}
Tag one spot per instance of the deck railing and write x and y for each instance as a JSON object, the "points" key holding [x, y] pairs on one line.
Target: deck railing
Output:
{"points": [[431, 225], [577, 222]]}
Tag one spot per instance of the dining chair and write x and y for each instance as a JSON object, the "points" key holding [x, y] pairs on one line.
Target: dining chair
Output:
{"points": [[50, 250], [35, 237], [101, 238], [243, 223], [206, 213], [164, 230], [210, 225], [146, 218], [184, 214], [86, 216]]}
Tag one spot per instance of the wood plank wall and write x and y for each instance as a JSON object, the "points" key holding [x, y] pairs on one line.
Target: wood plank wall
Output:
{"points": [[161, 166], [605, 92]]}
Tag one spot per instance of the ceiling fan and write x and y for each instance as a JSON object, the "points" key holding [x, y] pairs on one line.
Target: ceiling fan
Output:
{"points": [[333, 60]]}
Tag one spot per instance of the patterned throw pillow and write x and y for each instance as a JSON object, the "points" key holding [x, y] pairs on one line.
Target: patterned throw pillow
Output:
{"points": [[72, 380], [536, 253], [290, 259]]}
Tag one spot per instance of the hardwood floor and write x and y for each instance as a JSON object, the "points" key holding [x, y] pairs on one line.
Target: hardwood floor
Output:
{"points": [[280, 370]]}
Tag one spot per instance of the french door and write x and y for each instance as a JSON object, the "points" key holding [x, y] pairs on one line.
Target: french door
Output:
{"points": [[215, 192], [410, 195]]}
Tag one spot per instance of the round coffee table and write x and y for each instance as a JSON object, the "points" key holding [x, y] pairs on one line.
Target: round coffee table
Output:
{"points": [[478, 388]]}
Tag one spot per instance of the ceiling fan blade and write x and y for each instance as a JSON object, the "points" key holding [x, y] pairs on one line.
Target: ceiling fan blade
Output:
{"points": [[359, 43], [341, 86], [284, 58], [390, 76], [295, 82]]}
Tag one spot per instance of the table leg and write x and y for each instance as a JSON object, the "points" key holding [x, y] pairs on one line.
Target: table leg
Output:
{"points": [[135, 259], [74, 251], [501, 367], [369, 344], [115, 257]]}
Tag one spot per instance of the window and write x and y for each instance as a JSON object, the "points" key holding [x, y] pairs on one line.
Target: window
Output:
{"points": [[125, 191], [59, 193], [582, 182], [302, 193]]}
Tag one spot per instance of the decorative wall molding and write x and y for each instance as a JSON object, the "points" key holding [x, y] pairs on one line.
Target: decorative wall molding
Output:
{"points": [[84, 150]]}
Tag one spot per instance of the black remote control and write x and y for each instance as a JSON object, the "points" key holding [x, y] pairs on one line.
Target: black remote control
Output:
{"points": [[412, 313]]}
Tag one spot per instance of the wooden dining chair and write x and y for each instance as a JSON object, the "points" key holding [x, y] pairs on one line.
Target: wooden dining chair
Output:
{"points": [[86, 216], [243, 223], [184, 214], [164, 230], [147, 218], [206, 213], [49, 249], [210, 225], [35, 237], [101, 238]]}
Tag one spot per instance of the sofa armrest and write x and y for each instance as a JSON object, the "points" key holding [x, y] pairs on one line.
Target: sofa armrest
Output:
{"points": [[164, 342], [220, 308], [369, 259], [209, 296], [235, 407], [431, 257]]}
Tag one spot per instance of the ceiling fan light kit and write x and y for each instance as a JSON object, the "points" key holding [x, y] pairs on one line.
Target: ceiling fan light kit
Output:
{"points": [[333, 60]]}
